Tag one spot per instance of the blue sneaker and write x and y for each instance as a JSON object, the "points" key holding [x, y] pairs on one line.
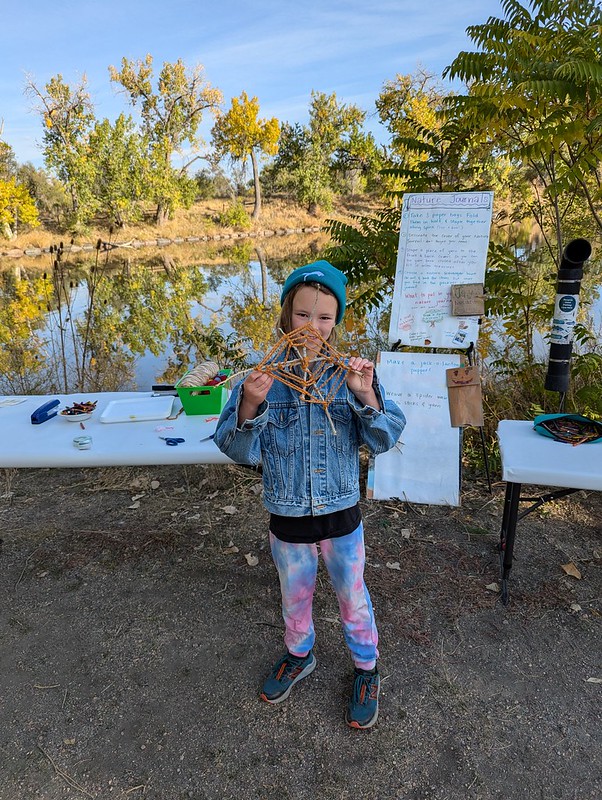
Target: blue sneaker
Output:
{"points": [[362, 710], [284, 676]]}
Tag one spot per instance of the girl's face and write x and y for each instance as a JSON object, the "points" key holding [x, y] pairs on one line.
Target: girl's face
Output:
{"points": [[320, 309]]}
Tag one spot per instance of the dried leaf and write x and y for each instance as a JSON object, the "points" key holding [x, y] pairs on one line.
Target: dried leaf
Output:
{"points": [[492, 587], [232, 548], [154, 484], [252, 560], [571, 569], [406, 533], [393, 565], [593, 680], [575, 607], [69, 741], [135, 505], [137, 497], [229, 509]]}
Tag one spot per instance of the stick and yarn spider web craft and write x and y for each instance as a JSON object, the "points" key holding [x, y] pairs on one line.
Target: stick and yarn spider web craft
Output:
{"points": [[293, 364]]}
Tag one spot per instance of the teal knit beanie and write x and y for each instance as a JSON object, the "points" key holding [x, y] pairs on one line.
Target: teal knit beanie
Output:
{"points": [[324, 273]]}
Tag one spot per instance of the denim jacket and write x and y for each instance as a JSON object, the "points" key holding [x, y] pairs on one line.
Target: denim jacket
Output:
{"points": [[307, 467]]}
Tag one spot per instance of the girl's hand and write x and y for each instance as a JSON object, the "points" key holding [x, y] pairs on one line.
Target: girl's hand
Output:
{"points": [[255, 389], [359, 381], [257, 385]]}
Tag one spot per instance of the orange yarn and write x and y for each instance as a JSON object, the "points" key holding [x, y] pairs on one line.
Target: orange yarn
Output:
{"points": [[289, 362]]}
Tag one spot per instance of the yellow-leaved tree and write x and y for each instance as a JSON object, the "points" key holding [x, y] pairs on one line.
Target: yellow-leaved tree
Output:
{"points": [[171, 115], [241, 134], [16, 208]]}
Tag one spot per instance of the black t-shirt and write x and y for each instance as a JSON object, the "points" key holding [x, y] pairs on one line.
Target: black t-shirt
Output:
{"points": [[310, 529]]}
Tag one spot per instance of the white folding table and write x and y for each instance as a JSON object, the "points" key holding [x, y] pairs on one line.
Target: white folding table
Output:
{"points": [[128, 443], [530, 458]]}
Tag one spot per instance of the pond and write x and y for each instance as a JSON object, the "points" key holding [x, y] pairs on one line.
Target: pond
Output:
{"points": [[115, 323], [122, 324]]}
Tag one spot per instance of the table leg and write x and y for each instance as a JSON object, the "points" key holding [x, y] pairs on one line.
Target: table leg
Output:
{"points": [[508, 534]]}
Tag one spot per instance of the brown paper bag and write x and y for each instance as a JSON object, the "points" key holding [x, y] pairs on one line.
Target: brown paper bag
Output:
{"points": [[465, 402]]}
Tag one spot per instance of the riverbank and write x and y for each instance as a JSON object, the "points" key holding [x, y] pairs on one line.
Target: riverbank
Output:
{"points": [[199, 224]]}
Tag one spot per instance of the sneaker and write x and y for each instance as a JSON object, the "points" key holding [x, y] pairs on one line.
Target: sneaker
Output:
{"points": [[285, 674], [362, 710]]}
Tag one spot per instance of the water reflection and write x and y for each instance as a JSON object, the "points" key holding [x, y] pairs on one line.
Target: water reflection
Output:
{"points": [[116, 325], [111, 323]]}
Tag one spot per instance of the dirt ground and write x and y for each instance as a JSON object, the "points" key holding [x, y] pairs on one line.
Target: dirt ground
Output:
{"points": [[140, 612]]}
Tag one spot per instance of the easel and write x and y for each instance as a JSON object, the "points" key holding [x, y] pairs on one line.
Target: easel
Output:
{"points": [[438, 293]]}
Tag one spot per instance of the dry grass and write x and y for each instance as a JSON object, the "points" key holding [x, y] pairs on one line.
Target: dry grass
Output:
{"points": [[199, 220]]}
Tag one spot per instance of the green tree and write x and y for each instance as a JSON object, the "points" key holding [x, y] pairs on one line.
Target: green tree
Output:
{"points": [[68, 116], [535, 93], [48, 192], [307, 154], [8, 162], [430, 150], [171, 116], [118, 153], [358, 161], [243, 135]]}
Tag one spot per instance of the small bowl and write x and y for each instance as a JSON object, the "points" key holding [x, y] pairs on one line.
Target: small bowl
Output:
{"points": [[76, 417]]}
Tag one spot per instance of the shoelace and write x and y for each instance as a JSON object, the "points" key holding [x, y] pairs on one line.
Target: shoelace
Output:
{"points": [[364, 688], [288, 667]]}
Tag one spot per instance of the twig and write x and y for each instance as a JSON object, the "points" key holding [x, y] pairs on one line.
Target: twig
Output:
{"points": [[67, 778], [135, 789], [31, 555], [290, 363]]}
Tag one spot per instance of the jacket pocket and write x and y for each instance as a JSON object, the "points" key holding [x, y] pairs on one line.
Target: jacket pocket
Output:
{"points": [[283, 430], [344, 441]]}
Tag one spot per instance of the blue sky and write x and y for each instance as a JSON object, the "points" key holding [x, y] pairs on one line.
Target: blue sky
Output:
{"points": [[268, 48]]}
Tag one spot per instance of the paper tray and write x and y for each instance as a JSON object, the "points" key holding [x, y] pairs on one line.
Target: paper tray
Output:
{"points": [[137, 409]]}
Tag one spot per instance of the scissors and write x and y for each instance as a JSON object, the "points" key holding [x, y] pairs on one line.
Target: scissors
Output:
{"points": [[172, 441]]}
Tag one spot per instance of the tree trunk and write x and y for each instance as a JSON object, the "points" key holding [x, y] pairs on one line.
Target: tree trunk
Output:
{"points": [[257, 207], [264, 274], [161, 214], [6, 231]]}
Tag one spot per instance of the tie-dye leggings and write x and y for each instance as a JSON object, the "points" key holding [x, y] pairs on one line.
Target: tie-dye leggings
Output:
{"points": [[344, 557]]}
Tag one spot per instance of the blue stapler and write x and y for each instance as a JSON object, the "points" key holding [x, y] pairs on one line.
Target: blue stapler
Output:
{"points": [[45, 412]]}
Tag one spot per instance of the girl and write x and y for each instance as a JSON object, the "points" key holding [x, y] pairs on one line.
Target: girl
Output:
{"points": [[311, 484]]}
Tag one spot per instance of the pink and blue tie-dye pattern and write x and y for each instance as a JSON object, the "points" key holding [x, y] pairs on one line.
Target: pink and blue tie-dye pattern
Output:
{"points": [[344, 557]]}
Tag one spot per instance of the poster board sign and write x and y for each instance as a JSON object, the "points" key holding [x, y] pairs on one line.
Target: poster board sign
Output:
{"points": [[443, 242], [424, 466]]}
